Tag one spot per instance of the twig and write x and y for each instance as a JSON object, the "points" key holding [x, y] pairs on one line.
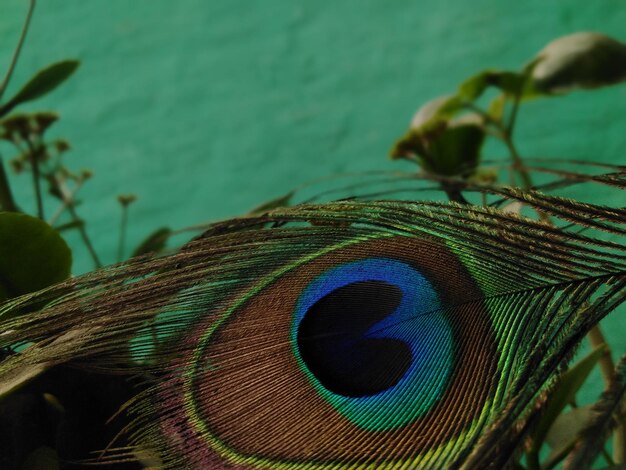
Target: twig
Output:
{"points": [[34, 161], [68, 198], [37, 190], [18, 48], [84, 236], [514, 110], [123, 224]]}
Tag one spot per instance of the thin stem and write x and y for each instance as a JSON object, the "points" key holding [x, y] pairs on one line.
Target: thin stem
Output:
{"points": [[507, 137], [516, 101], [83, 234], [34, 161], [68, 201], [68, 198], [68, 204], [454, 193], [505, 134], [123, 225], [521, 170], [518, 164], [37, 190], [18, 48]]}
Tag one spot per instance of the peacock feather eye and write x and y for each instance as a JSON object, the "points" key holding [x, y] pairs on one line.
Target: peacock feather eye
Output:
{"points": [[357, 356], [370, 342]]}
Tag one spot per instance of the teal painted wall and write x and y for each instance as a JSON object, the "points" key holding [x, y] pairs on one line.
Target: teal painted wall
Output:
{"points": [[205, 108]]}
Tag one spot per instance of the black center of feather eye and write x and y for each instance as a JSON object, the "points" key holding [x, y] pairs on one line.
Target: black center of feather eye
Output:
{"points": [[333, 341]]}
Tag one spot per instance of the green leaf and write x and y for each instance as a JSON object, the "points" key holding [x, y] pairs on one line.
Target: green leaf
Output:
{"points": [[281, 201], [511, 83], [442, 143], [442, 146], [567, 426], [456, 151], [606, 415], [563, 433], [154, 243], [408, 146], [564, 393], [435, 111], [32, 255], [473, 87], [496, 107], [42, 83], [42, 458], [580, 60]]}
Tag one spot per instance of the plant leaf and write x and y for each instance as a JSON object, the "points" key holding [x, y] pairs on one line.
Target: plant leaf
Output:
{"points": [[154, 243], [580, 60], [564, 432], [567, 425], [32, 255], [280, 201], [591, 439], [473, 87], [511, 83], [563, 394], [444, 146], [435, 111], [42, 83], [496, 107], [456, 151]]}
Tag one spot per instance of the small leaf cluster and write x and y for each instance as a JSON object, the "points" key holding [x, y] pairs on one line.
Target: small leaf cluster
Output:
{"points": [[447, 134]]}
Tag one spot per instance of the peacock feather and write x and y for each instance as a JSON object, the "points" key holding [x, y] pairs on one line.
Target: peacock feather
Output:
{"points": [[346, 335]]}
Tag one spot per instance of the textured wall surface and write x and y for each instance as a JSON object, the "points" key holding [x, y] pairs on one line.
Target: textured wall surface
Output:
{"points": [[206, 108]]}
